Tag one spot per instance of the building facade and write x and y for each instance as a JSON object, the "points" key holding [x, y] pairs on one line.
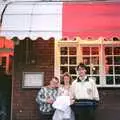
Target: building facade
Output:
{"points": [[53, 58], [40, 53]]}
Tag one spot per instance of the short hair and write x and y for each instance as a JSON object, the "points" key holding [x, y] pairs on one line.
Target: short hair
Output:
{"points": [[68, 75], [82, 65]]}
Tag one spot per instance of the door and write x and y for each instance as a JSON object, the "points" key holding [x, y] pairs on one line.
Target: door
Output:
{"points": [[5, 95]]}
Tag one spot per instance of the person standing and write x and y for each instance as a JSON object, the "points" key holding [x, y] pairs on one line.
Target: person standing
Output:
{"points": [[45, 98], [64, 88], [85, 94], [62, 104]]}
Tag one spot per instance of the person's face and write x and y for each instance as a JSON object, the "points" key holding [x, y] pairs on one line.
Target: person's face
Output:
{"points": [[66, 80], [54, 83], [81, 71]]}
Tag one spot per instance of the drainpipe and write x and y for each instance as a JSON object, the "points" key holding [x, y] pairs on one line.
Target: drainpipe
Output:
{"points": [[2, 14]]}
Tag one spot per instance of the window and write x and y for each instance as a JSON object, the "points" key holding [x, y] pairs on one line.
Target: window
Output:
{"points": [[101, 57], [112, 65], [68, 60], [90, 57]]}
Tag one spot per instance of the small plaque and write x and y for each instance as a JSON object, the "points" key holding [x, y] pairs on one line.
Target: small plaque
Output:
{"points": [[33, 79]]}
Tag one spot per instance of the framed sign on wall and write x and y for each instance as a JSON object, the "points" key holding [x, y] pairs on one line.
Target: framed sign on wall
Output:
{"points": [[32, 79]]}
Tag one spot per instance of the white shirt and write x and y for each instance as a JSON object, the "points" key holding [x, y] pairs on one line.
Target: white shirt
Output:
{"points": [[84, 90], [62, 91]]}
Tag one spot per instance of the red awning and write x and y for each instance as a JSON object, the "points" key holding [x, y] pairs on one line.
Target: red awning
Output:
{"points": [[91, 20]]}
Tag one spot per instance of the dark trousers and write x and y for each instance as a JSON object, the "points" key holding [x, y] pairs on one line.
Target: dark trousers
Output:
{"points": [[84, 110], [85, 114], [46, 116]]}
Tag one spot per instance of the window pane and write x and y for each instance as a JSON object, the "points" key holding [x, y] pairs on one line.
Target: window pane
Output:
{"points": [[72, 70], [95, 60], [110, 71], [63, 69], [117, 51], [95, 69], [117, 70], [109, 79], [72, 51], [97, 79], [64, 50], [117, 60], [64, 60], [86, 60], [86, 51], [72, 60], [109, 60], [108, 50], [95, 50], [117, 79]]}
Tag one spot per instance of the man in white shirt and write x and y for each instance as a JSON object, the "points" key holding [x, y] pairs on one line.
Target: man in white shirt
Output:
{"points": [[85, 94]]}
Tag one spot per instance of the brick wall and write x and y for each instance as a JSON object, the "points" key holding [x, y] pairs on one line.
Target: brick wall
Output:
{"points": [[109, 107], [30, 56]]}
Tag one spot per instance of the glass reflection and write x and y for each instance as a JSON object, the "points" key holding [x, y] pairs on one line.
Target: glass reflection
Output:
{"points": [[86, 50], [95, 60], [109, 79], [117, 60], [108, 50], [117, 79], [64, 50], [72, 60], [117, 69], [95, 50], [72, 51], [117, 51], [72, 70], [86, 60], [64, 60], [63, 69]]}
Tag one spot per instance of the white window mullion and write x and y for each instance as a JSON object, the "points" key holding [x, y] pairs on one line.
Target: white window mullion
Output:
{"points": [[57, 60], [68, 55], [102, 66], [113, 65]]}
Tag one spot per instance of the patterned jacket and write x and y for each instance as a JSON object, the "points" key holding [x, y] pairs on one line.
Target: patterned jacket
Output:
{"points": [[43, 94]]}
